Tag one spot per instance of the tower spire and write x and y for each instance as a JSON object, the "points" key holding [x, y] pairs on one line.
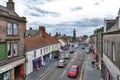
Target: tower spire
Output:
{"points": [[74, 35]]}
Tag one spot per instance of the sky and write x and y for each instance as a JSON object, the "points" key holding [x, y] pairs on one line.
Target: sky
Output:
{"points": [[63, 16]]}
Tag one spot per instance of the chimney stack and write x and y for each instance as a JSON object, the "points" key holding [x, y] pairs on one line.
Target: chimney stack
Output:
{"points": [[10, 5], [42, 31]]}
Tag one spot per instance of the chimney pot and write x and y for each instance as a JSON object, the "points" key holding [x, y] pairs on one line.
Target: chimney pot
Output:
{"points": [[42, 31]]}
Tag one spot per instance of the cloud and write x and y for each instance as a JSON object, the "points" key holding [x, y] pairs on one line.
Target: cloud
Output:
{"points": [[77, 9], [35, 2], [97, 3], [35, 11], [86, 22]]}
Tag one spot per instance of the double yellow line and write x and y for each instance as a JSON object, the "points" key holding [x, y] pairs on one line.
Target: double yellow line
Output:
{"points": [[83, 67]]}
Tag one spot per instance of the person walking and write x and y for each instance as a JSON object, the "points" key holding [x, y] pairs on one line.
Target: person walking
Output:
{"points": [[93, 63]]}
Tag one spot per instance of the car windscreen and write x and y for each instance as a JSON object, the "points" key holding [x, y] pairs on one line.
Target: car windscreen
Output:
{"points": [[73, 69]]}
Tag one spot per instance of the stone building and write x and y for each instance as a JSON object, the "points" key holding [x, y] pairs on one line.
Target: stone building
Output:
{"points": [[110, 64], [12, 43], [99, 45]]}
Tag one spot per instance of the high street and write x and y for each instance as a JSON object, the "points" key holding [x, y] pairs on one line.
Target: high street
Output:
{"points": [[77, 58]]}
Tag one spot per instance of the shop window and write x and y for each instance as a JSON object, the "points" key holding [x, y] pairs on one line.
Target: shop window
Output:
{"points": [[7, 76]]}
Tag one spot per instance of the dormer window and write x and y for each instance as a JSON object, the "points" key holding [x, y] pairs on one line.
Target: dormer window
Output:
{"points": [[12, 29]]}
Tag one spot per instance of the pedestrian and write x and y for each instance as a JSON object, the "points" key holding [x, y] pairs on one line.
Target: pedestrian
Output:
{"points": [[93, 62], [97, 65]]}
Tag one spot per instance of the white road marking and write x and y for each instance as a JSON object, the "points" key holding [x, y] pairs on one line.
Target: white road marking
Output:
{"points": [[47, 73], [66, 69]]}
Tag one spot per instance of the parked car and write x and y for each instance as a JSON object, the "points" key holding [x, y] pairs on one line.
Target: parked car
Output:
{"points": [[71, 51], [61, 63], [83, 46], [67, 56], [74, 71]]}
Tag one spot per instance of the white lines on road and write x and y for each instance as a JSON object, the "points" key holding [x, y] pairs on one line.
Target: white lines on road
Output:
{"points": [[47, 73], [68, 65], [65, 70]]}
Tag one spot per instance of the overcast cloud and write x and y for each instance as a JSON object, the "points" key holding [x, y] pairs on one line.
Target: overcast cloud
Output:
{"points": [[66, 15]]}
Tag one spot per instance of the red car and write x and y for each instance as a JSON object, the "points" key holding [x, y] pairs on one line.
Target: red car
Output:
{"points": [[74, 71]]}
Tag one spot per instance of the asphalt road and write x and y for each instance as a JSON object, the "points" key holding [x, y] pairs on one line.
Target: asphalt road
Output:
{"points": [[77, 57]]}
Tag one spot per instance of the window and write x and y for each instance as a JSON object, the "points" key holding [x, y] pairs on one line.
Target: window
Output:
{"points": [[15, 29], [15, 49], [44, 50], [12, 49], [34, 54], [108, 49], [9, 49], [49, 48], [12, 29], [9, 28], [113, 51], [105, 46], [40, 51]]}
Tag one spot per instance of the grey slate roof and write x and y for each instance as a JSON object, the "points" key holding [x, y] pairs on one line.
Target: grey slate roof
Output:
{"points": [[31, 32], [114, 27], [6, 10]]}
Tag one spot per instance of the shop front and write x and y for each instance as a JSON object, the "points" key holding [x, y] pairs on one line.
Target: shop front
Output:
{"points": [[5, 72], [12, 71], [55, 54], [37, 64], [106, 74], [5, 76], [19, 72], [46, 58]]}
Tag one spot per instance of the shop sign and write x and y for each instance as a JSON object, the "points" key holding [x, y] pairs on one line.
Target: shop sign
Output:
{"points": [[5, 69]]}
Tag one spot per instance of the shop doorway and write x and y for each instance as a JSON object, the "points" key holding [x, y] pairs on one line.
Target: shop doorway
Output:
{"points": [[19, 72], [36, 64]]}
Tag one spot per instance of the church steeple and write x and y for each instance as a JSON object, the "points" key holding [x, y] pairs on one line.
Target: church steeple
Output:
{"points": [[10, 5], [74, 35]]}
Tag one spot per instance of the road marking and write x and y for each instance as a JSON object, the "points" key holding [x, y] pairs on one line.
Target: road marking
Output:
{"points": [[47, 73], [83, 67], [66, 68]]}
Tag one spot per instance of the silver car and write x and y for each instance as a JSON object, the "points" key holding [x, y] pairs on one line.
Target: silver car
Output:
{"points": [[61, 63], [67, 56]]}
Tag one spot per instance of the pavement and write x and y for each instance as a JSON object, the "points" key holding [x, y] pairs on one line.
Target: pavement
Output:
{"points": [[37, 75], [90, 72]]}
